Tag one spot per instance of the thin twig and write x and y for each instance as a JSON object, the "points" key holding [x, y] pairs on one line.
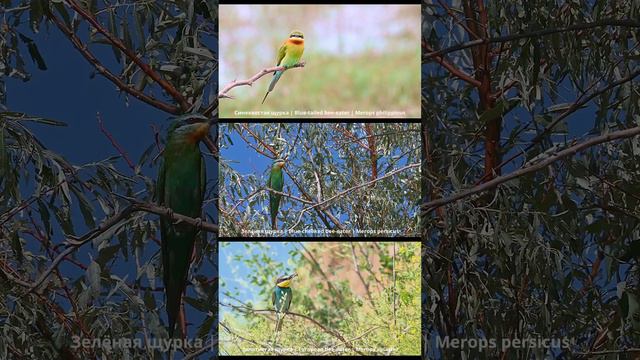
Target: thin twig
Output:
{"points": [[84, 51], [115, 144], [164, 84], [539, 33], [622, 134], [254, 78], [352, 189]]}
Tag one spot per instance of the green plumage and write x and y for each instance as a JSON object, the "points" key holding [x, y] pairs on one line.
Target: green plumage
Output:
{"points": [[289, 54], [181, 184], [275, 182], [281, 298]]}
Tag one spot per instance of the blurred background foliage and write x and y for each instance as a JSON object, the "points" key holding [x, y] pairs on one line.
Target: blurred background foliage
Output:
{"points": [[367, 64], [323, 160], [365, 297]]}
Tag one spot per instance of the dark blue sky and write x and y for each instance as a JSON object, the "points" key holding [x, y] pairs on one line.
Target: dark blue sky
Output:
{"points": [[68, 92]]}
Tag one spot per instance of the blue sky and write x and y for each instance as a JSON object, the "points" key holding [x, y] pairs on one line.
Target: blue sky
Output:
{"points": [[248, 162], [234, 273], [69, 92]]}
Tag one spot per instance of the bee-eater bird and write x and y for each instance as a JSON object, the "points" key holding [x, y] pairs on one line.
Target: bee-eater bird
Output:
{"points": [[281, 298], [275, 182], [180, 187], [289, 54]]}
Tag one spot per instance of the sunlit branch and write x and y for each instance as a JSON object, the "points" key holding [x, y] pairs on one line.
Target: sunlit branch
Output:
{"points": [[340, 194], [224, 92], [315, 322]]}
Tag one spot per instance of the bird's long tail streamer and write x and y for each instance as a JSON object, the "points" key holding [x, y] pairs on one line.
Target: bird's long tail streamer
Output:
{"points": [[276, 77]]}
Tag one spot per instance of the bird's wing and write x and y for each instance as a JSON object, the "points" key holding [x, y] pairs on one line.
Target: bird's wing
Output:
{"points": [[160, 199], [269, 180], [273, 297], [288, 300], [160, 184], [203, 178], [282, 51]]}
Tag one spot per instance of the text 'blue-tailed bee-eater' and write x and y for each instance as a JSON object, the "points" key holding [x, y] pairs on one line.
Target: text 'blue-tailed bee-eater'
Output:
{"points": [[281, 298], [289, 54], [180, 187]]}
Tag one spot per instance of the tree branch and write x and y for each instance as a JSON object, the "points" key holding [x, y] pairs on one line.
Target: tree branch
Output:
{"points": [[254, 78], [622, 134], [74, 244], [352, 189], [115, 144], [570, 110], [538, 33], [164, 84], [84, 51], [451, 68], [314, 321]]}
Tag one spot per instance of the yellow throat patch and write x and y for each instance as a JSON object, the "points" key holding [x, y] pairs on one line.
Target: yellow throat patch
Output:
{"points": [[284, 284]]}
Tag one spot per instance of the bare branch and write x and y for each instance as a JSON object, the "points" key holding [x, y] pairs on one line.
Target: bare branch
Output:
{"points": [[622, 134], [314, 321], [164, 84], [115, 144], [539, 33], [254, 78], [84, 51], [75, 243], [352, 189], [453, 70]]}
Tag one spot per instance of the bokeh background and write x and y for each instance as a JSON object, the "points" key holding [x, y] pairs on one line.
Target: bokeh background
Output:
{"points": [[358, 58]]}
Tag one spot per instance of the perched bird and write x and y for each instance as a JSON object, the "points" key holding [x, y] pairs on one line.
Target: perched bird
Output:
{"points": [[181, 183], [275, 182], [289, 54], [281, 298]]}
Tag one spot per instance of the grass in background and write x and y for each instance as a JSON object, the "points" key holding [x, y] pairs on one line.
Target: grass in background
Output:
{"points": [[370, 82]]}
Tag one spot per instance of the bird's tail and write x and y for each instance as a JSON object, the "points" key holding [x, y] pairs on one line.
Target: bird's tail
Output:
{"points": [[279, 318], [274, 203], [177, 245], [276, 77], [274, 221]]}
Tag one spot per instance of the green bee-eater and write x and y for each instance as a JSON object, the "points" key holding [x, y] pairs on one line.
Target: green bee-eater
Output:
{"points": [[181, 183], [275, 182], [289, 54], [281, 298]]}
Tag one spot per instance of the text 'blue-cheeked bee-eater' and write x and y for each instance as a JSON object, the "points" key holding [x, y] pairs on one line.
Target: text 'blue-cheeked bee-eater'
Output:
{"points": [[275, 182], [289, 54], [281, 298], [181, 186]]}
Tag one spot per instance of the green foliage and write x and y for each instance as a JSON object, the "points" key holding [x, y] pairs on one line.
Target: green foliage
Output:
{"points": [[342, 304], [325, 159], [108, 286], [542, 255]]}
